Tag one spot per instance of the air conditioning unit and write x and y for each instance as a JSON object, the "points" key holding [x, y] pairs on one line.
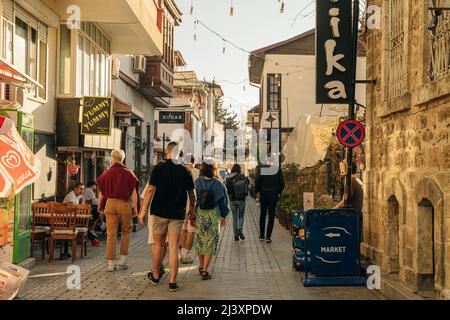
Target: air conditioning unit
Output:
{"points": [[124, 122], [12, 94], [115, 68], [139, 64]]}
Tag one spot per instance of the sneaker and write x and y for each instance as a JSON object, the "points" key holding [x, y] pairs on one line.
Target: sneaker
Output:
{"points": [[268, 240], [241, 235], [152, 279], [173, 287], [122, 263], [261, 238], [111, 266], [236, 238]]}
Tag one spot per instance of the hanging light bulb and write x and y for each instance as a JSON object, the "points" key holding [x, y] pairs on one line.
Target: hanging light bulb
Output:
{"points": [[195, 30], [282, 6], [191, 11], [223, 46], [231, 9], [244, 87]]}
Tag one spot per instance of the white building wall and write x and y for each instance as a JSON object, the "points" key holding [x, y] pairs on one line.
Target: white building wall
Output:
{"points": [[298, 88]]}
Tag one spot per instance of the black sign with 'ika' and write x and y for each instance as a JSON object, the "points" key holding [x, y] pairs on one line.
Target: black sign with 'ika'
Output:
{"points": [[334, 51]]}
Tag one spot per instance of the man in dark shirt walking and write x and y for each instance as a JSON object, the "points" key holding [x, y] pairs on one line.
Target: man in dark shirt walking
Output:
{"points": [[269, 184], [171, 183], [117, 185]]}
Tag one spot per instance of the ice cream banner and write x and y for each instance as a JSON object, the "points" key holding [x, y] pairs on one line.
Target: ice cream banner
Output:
{"points": [[18, 165]]}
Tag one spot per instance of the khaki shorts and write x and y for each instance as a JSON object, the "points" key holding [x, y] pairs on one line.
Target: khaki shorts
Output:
{"points": [[165, 226], [150, 230], [187, 225]]}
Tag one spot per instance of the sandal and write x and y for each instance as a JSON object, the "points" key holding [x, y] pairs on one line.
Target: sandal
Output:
{"points": [[200, 270], [206, 275]]}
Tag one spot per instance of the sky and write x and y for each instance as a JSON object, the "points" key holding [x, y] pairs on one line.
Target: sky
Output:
{"points": [[254, 24]]}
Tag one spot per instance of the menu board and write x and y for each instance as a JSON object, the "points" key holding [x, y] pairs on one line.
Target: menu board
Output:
{"points": [[96, 116]]}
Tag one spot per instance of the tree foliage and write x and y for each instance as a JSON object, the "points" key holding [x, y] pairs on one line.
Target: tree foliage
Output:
{"points": [[225, 116]]}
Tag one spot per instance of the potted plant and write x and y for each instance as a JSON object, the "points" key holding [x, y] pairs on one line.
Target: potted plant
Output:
{"points": [[72, 167]]}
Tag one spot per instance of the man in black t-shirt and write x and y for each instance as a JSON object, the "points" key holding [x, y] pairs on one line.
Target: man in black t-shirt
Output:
{"points": [[170, 184]]}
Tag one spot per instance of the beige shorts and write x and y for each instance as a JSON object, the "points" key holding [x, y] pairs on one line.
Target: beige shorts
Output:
{"points": [[187, 225], [150, 230], [166, 226]]}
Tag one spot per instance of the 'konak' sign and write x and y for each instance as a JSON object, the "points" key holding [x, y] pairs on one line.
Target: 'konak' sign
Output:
{"points": [[96, 116], [334, 51]]}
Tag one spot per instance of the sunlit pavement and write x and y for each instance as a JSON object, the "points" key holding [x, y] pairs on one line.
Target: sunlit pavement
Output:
{"points": [[248, 269]]}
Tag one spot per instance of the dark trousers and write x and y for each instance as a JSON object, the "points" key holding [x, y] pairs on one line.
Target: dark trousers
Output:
{"points": [[268, 204]]}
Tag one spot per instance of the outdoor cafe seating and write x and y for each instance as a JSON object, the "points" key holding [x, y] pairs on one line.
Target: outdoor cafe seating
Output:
{"points": [[56, 221]]}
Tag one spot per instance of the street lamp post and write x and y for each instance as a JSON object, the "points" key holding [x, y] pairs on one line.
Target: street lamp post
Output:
{"points": [[164, 140], [270, 119]]}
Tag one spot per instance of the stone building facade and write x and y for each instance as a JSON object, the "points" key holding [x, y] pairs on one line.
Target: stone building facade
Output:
{"points": [[407, 179]]}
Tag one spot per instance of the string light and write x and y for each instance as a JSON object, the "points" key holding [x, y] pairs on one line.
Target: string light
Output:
{"points": [[282, 6], [231, 9], [191, 11]]}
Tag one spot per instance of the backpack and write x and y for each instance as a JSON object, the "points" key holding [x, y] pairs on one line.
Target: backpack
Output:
{"points": [[240, 187], [207, 198]]}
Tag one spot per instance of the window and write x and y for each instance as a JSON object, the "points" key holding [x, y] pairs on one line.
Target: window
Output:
{"points": [[64, 60], [440, 42], [24, 45], [168, 39], [273, 92], [396, 82], [93, 61], [21, 46], [7, 45]]}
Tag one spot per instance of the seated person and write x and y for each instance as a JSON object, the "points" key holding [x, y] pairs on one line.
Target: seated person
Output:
{"points": [[75, 196], [98, 219]]}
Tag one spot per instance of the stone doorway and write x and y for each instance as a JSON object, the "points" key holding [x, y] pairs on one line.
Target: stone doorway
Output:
{"points": [[426, 246]]}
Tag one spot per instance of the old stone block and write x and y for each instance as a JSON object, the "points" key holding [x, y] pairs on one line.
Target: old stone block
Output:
{"points": [[408, 257], [444, 114], [389, 128], [421, 122], [444, 157], [427, 136]]}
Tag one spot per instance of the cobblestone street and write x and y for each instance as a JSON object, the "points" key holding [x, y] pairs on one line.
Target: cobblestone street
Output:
{"points": [[249, 269]]}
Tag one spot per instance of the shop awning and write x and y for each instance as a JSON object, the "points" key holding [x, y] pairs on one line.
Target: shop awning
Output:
{"points": [[18, 165], [10, 75], [122, 107]]}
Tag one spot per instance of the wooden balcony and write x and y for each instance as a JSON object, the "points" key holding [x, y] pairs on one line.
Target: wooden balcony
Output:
{"points": [[157, 81]]}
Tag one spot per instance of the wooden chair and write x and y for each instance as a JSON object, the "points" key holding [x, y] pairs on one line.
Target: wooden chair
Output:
{"points": [[56, 204], [83, 220], [63, 227], [40, 228]]}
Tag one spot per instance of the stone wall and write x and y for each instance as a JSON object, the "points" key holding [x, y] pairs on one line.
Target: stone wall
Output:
{"points": [[407, 181]]}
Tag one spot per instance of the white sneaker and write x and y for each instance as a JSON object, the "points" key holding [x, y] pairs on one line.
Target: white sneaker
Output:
{"points": [[122, 264], [111, 266], [189, 257], [183, 255]]}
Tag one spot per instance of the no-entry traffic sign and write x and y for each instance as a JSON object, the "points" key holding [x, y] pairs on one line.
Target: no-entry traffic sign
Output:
{"points": [[351, 133]]}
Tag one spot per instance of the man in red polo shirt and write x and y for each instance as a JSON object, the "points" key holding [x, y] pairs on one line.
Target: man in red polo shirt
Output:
{"points": [[117, 185]]}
